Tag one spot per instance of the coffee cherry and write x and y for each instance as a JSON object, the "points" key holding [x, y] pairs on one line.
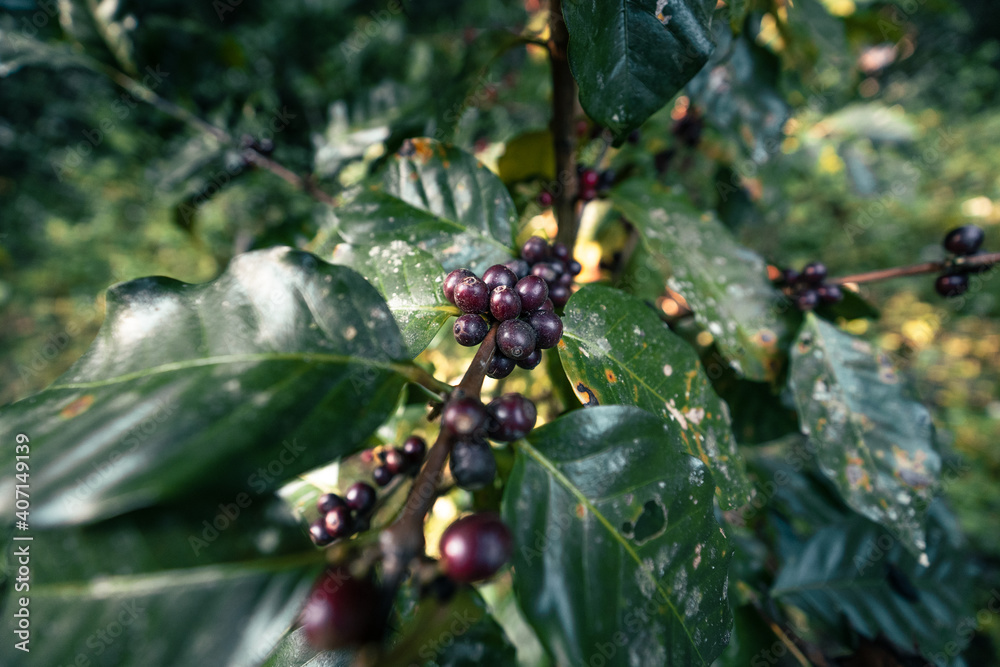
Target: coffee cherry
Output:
{"points": [[500, 366], [533, 292], [520, 267], [360, 497], [964, 240], [813, 273], [470, 329], [534, 250], [606, 180], [588, 194], [498, 275], [574, 267], [414, 449], [807, 300], [338, 522], [395, 461], [561, 251], [830, 293], [505, 304], [382, 475], [328, 501], [341, 611], [464, 416], [559, 294], [475, 547], [471, 295], [532, 360], [565, 279], [545, 199], [952, 285], [589, 178], [790, 276], [512, 416], [548, 305], [453, 279], [545, 271], [472, 464], [516, 339], [317, 531], [548, 328]]}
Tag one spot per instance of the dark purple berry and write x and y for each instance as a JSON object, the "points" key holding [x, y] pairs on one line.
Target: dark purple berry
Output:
{"points": [[559, 294], [470, 329], [545, 199], [328, 501], [548, 328], [475, 547], [607, 180], [589, 178], [338, 522], [565, 279], [453, 279], [505, 304], [341, 611], [317, 531], [498, 275], [472, 464], [512, 416], [548, 305], [560, 251], [382, 475], [360, 497], [807, 300], [952, 285], [830, 293], [471, 295], [588, 194], [532, 360], [813, 273], [414, 449], [534, 250], [520, 267], [395, 461], [574, 267], [790, 276], [533, 292], [516, 339], [545, 271], [464, 416], [964, 240], [500, 366]]}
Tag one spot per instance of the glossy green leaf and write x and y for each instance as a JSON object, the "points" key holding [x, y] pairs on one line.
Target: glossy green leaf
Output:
{"points": [[874, 440], [409, 279], [631, 58], [725, 284], [615, 350], [438, 198], [295, 651], [205, 584], [617, 550], [855, 570], [280, 364]]}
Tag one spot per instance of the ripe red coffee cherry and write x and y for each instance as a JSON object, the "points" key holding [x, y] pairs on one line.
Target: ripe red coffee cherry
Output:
{"points": [[414, 449], [964, 240], [453, 279], [470, 329], [533, 292], [471, 295], [545, 199], [472, 464], [813, 273], [534, 250], [505, 304], [498, 275], [382, 475], [516, 339], [317, 531], [328, 501], [341, 611], [588, 194], [464, 416], [360, 497], [395, 461], [500, 366], [548, 328], [532, 360], [338, 522], [952, 285], [589, 178], [475, 547], [512, 416]]}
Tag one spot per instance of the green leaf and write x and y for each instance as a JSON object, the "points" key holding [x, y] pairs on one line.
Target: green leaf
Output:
{"points": [[409, 279], [856, 571], [630, 58], [724, 283], [438, 198], [280, 364], [528, 155], [617, 351], [193, 585], [874, 440], [295, 651], [617, 551]]}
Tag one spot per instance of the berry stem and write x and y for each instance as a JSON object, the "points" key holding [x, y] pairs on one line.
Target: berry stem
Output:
{"points": [[563, 137], [985, 261], [472, 381]]}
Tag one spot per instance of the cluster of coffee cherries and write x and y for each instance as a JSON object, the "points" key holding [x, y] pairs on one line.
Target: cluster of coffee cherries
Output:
{"points": [[395, 461], [962, 241], [808, 287], [507, 418], [342, 516]]}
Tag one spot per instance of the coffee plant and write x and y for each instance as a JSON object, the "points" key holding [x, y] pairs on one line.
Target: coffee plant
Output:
{"points": [[494, 373]]}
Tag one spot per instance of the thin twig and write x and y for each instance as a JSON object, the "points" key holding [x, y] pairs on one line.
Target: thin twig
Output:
{"points": [[975, 261]]}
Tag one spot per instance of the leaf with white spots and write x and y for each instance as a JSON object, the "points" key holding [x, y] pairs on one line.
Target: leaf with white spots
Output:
{"points": [[724, 283], [435, 197], [617, 550], [282, 363], [615, 350], [409, 279], [874, 440]]}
